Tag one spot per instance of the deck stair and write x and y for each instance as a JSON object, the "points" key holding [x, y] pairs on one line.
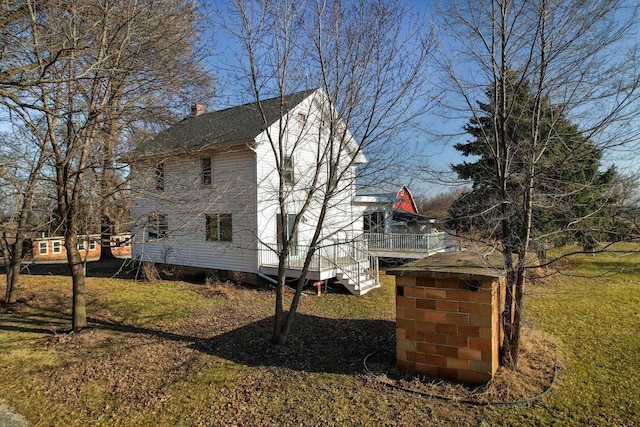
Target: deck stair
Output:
{"points": [[357, 270], [349, 262], [357, 284]]}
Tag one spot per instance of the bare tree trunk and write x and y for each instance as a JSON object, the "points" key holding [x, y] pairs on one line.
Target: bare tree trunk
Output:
{"points": [[12, 261], [13, 252], [13, 272], [106, 229], [514, 342], [78, 277], [278, 337]]}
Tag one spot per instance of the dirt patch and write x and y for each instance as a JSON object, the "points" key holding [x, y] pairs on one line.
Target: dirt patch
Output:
{"points": [[8, 418], [534, 375]]}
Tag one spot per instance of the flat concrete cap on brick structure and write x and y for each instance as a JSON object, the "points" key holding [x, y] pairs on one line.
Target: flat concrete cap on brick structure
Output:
{"points": [[462, 265]]}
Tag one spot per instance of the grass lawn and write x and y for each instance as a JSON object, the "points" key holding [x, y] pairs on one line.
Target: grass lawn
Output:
{"points": [[173, 353]]}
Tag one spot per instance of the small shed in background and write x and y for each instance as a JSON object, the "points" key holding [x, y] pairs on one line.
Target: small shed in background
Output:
{"points": [[448, 310]]}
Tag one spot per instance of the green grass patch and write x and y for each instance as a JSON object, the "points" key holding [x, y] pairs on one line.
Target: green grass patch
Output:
{"points": [[592, 308], [142, 303], [173, 354]]}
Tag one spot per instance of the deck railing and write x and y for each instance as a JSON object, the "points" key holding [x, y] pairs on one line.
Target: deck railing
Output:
{"points": [[329, 255], [425, 243], [346, 254]]}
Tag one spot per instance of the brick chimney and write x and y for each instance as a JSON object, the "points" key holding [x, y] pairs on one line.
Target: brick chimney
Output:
{"points": [[197, 110]]}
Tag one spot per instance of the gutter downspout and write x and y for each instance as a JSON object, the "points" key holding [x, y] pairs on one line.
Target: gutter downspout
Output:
{"points": [[255, 210], [274, 282]]}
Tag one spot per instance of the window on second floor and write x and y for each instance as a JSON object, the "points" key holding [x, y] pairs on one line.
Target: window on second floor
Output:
{"points": [[289, 176], [159, 172], [57, 246], [219, 227], [302, 119], [205, 171], [157, 226], [43, 248]]}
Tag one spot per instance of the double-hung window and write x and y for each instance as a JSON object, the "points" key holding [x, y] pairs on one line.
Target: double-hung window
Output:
{"points": [[219, 227], [43, 248], [57, 246], [205, 174], [302, 119], [288, 171], [157, 226], [291, 236], [159, 172]]}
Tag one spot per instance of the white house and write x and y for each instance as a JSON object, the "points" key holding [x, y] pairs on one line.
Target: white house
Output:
{"points": [[205, 192]]}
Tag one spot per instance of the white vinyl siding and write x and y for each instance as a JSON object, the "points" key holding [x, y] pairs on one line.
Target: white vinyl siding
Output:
{"points": [[187, 202], [343, 220]]}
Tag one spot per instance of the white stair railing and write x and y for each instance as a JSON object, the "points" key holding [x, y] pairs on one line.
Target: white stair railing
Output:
{"points": [[351, 258]]}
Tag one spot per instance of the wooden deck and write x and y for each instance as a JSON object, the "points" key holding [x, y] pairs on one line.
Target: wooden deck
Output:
{"points": [[409, 246]]}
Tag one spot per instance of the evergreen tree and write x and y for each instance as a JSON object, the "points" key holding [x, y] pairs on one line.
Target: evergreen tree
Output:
{"points": [[569, 186]]}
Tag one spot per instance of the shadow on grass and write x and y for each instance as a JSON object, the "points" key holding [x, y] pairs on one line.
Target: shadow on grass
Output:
{"points": [[116, 267], [317, 344]]}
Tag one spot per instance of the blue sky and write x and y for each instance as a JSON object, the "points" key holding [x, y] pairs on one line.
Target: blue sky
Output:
{"points": [[434, 151], [433, 136]]}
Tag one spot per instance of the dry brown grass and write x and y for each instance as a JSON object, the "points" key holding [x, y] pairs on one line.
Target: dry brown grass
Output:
{"points": [[175, 353], [534, 375]]}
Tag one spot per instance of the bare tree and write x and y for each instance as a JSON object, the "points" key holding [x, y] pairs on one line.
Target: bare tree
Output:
{"points": [[577, 58], [438, 206], [370, 63], [96, 66], [19, 178]]}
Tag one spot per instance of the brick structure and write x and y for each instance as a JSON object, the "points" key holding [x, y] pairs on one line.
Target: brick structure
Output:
{"points": [[447, 317]]}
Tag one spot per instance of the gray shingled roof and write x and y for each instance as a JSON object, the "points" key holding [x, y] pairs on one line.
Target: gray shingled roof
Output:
{"points": [[236, 124]]}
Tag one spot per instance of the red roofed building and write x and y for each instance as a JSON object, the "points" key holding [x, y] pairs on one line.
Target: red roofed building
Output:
{"points": [[404, 201]]}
